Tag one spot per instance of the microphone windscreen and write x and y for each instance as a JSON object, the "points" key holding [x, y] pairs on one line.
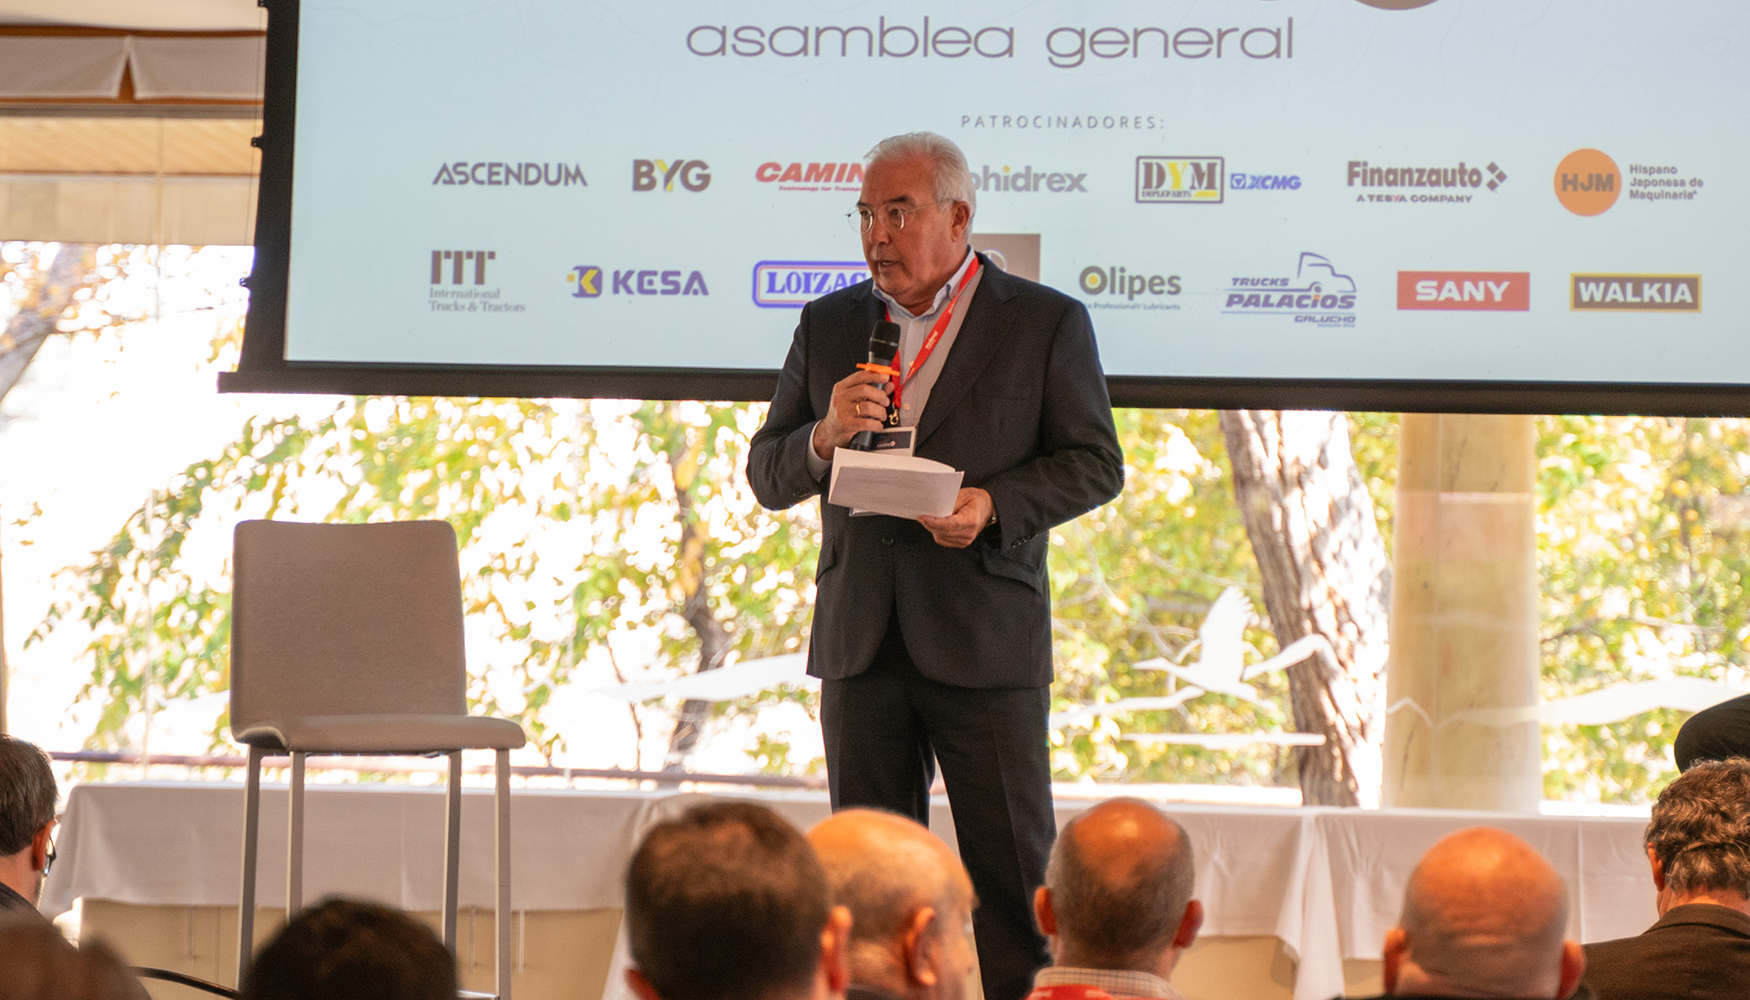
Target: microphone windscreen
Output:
{"points": [[884, 343]]}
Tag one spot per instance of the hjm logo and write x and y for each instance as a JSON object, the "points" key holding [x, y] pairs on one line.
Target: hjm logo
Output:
{"points": [[1180, 179], [458, 261], [648, 175]]}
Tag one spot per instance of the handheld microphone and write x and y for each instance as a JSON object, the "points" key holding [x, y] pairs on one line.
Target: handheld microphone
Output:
{"points": [[883, 347]]}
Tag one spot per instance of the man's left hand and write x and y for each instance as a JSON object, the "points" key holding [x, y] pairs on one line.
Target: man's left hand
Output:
{"points": [[972, 511]]}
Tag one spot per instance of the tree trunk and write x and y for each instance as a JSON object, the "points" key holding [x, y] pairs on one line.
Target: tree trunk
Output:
{"points": [[692, 572], [1325, 572]]}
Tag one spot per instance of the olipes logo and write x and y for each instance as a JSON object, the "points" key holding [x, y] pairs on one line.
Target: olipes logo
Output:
{"points": [[652, 175]]}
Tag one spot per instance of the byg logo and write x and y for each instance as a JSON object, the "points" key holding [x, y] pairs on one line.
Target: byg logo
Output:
{"points": [[694, 175]]}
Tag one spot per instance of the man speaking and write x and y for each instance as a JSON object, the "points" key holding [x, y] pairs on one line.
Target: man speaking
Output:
{"points": [[933, 637]]}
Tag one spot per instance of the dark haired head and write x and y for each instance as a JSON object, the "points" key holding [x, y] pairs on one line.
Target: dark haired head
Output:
{"points": [[1700, 832], [726, 902], [27, 794], [37, 963], [341, 949]]}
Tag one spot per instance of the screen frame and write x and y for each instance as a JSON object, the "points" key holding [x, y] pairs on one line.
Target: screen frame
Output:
{"points": [[262, 366]]}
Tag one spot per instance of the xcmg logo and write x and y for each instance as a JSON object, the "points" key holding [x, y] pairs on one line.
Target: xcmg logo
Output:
{"points": [[811, 176], [1029, 180], [589, 281], [462, 173], [453, 266], [792, 284], [1500, 291], [649, 175], [1180, 180], [1237, 181]]}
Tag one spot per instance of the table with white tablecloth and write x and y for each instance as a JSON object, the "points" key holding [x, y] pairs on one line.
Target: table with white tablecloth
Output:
{"points": [[1326, 882]]}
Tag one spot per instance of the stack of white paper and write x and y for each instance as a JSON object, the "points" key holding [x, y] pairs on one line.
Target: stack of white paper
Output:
{"points": [[876, 482]]}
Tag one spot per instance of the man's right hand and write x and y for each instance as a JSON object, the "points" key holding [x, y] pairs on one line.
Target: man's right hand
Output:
{"points": [[859, 403]]}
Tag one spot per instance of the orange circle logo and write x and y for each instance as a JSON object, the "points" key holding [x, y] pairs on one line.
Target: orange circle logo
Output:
{"points": [[1587, 182]]}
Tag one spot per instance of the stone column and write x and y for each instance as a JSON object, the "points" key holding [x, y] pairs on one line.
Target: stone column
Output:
{"points": [[1462, 679]]}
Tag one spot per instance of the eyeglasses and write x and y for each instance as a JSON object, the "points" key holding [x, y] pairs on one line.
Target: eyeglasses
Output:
{"points": [[892, 216]]}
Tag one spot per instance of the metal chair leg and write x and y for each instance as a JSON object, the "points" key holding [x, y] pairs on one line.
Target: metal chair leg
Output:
{"points": [[452, 849], [501, 799], [251, 845], [295, 841]]}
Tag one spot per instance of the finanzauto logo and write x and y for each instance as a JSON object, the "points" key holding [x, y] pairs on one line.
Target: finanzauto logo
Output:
{"points": [[792, 284]]}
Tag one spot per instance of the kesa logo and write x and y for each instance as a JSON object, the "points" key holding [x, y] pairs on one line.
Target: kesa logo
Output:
{"points": [[652, 175], [811, 176], [792, 284], [1587, 182], [1450, 185], [1180, 180], [459, 283], [1317, 293], [1029, 180], [590, 281], [1636, 293], [494, 173], [1119, 288], [1503, 291]]}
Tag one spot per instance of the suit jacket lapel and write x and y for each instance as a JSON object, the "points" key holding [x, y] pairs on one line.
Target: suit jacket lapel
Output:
{"points": [[987, 315]]}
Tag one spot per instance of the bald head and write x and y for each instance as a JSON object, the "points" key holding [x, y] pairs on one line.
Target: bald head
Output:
{"points": [[1484, 916], [1120, 882]]}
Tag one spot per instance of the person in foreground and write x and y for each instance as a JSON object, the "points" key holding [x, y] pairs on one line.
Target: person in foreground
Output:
{"points": [[37, 963], [1714, 733], [1698, 845], [728, 902], [1117, 905], [1484, 916], [27, 817], [910, 902], [342, 949], [933, 636]]}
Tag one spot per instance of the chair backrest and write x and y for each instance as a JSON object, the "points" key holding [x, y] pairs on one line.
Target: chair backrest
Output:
{"points": [[345, 619]]}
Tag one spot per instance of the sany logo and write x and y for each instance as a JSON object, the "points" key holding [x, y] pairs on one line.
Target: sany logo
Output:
{"points": [[1503, 291], [591, 282], [694, 175], [792, 284], [820, 176]]}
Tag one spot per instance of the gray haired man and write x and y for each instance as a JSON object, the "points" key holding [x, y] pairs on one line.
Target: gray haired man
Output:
{"points": [[27, 817]]}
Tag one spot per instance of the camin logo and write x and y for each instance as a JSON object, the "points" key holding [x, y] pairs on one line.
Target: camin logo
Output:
{"points": [[811, 176]]}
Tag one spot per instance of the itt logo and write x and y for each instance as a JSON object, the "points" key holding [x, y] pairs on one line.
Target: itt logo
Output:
{"points": [[458, 269], [1180, 180], [649, 175]]}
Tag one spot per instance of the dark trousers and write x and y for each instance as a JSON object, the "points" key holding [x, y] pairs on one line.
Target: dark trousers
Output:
{"points": [[886, 730]]}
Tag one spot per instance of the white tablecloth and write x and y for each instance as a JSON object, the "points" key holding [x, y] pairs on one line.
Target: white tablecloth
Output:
{"points": [[1327, 882]]}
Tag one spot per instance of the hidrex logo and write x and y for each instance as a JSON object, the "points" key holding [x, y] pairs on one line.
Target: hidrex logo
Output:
{"points": [[792, 284], [462, 173], [1180, 180], [1028, 179], [452, 266], [650, 175], [591, 281]]}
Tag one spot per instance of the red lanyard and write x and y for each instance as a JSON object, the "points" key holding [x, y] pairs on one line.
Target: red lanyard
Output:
{"points": [[1068, 992], [917, 365]]}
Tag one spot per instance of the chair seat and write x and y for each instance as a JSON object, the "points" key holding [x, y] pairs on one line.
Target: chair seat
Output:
{"points": [[384, 734]]}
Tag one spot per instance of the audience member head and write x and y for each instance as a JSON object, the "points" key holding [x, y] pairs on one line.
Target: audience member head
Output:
{"points": [[27, 815], [910, 901], [37, 963], [728, 902], [1484, 916], [1117, 892], [342, 949], [1699, 839]]}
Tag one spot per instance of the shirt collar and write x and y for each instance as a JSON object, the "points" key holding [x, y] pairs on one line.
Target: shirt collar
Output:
{"points": [[1121, 984], [942, 293]]}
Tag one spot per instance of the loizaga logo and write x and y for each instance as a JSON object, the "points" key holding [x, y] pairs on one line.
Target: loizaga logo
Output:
{"points": [[1180, 180], [1105, 284], [792, 284], [1636, 292], [458, 283], [1027, 179], [483, 173], [1316, 294], [650, 175], [1450, 183], [1500, 291], [1588, 182], [811, 176], [589, 281]]}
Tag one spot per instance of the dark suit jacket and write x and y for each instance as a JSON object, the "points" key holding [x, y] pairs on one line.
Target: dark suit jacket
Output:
{"points": [[1695, 952], [1021, 407]]}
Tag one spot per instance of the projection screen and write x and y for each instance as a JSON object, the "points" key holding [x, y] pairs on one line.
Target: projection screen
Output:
{"points": [[1513, 205]]}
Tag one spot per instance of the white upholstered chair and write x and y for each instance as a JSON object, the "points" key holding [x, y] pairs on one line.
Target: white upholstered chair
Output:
{"points": [[347, 639]]}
